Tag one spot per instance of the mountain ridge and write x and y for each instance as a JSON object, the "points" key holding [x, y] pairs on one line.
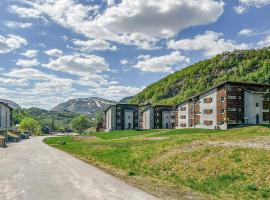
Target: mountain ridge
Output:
{"points": [[240, 65], [87, 106]]}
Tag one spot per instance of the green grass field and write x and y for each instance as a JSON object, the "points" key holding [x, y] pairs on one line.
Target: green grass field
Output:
{"points": [[177, 164]]}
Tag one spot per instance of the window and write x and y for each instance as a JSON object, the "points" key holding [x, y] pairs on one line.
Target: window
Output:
{"points": [[266, 116], [208, 123], [266, 105], [183, 117], [229, 88], [183, 109], [129, 125], [222, 111], [231, 122], [222, 99], [207, 111], [257, 104], [183, 125], [208, 100], [231, 97], [231, 109], [128, 117]]}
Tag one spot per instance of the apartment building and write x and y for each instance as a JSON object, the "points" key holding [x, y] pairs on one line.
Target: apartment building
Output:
{"points": [[6, 122], [158, 117], [226, 105], [121, 117]]}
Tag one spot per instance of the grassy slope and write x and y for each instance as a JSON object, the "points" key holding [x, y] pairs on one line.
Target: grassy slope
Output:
{"points": [[246, 65], [181, 160]]}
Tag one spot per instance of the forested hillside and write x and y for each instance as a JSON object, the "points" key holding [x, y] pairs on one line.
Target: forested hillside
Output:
{"points": [[59, 119], [244, 65]]}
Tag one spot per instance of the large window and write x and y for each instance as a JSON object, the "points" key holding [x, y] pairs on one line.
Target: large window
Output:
{"points": [[208, 123], [207, 111], [208, 100]]}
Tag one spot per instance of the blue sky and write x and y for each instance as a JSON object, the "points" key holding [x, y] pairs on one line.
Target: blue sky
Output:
{"points": [[55, 50]]}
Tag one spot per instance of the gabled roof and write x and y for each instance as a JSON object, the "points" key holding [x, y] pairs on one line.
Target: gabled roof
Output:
{"points": [[120, 104], [154, 106], [6, 105]]}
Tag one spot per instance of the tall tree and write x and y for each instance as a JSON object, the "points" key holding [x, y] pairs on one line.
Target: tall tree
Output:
{"points": [[80, 124]]}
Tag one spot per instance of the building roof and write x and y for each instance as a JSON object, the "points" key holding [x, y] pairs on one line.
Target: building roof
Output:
{"points": [[6, 105], [154, 106], [223, 83], [119, 104]]}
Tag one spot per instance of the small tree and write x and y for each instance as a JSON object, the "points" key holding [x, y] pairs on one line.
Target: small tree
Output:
{"points": [[80, 124], [29, 124]]}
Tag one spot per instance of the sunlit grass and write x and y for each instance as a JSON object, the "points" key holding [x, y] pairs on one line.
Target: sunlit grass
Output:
{"points": [[183, 158]]}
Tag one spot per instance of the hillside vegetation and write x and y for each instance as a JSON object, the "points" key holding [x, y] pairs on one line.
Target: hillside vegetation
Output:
{"points": [[244, 65], [60, 120], [182, 164]]}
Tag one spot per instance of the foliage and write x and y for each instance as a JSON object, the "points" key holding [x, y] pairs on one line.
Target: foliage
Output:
{"points": [[55, 120], [80, 124], [181, 158], [29, 124], [244, 65]]}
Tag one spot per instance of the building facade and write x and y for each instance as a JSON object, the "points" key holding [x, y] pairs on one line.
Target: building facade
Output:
{"points": [[158, 117], [121, 117], [6, 122], [227, 105]]}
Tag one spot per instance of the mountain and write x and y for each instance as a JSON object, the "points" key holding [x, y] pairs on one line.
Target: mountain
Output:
{"points": [[125, 100], [87, 106], [11, 103], [240, 65]]}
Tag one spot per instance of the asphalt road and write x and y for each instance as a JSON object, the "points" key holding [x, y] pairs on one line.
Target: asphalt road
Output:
{"points": [[31, 170]]}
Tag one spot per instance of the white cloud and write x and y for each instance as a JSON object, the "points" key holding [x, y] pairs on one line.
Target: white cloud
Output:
{"points": [[210, 42], [265, 42], [246, 32], [25, 12], [14, 82], [94, 45], [29, 74], [54, 52], [116, 92], [160, 64], [11, 43], [124, 61], [27, 63], [14, 24], [138, 22], [55, 86], [244, 5], [81, 65], [30, 53]]}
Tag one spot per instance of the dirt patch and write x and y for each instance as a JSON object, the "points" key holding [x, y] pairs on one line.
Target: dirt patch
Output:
{"points": [[85, 138], [256, 143]]}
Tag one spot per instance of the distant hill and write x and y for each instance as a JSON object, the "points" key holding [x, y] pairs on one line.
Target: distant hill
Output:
{"points": [[10, 103], [86, 106], [61, 119], [125, 100], [244, 65]]}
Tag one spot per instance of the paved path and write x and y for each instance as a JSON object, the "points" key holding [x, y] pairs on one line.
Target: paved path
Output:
{"points": [[31, 170]]}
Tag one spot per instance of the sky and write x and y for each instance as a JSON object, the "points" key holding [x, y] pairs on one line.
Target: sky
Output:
{"points": [[55, 50]]}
